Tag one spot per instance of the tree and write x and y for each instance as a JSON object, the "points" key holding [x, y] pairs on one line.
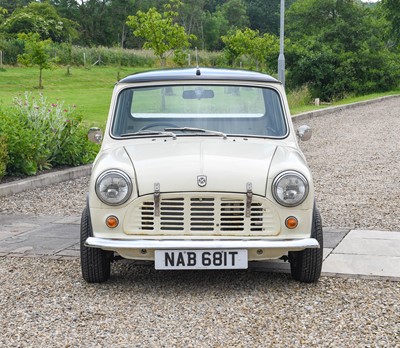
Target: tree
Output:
{"points": [[235, 11], [258, 48], [159, 31], [41, 18], [36, 53], [391, 9], [338, 48]]}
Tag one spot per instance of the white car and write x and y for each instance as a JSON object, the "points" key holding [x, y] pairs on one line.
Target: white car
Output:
{"points": [[200, 169]]}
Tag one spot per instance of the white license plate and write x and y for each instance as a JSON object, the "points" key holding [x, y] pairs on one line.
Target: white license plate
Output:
{"points": [[201, 259]]}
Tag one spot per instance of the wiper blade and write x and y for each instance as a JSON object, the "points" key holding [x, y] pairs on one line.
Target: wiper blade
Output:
{"points": [[193, 129], [144, 132]]}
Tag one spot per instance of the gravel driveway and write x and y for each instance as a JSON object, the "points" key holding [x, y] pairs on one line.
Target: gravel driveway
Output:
{"points": [[354, 155]]}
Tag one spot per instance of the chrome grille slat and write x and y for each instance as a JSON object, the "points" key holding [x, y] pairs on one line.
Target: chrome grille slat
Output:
{"points": [[215, 214]]}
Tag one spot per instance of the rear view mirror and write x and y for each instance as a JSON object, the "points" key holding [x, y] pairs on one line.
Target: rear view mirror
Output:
{"points": [[198, 94]]}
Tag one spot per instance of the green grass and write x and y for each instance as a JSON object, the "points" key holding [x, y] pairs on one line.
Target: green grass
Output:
{"points": [[304, 108], [89, 89]]}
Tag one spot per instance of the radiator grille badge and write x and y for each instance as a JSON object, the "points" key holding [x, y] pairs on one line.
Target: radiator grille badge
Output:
{"points": [[202, 180]]}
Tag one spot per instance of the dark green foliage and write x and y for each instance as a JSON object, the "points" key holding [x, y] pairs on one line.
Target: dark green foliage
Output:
{"points": [[40, 18], [338, 48], [41, 135], [3, 155]]}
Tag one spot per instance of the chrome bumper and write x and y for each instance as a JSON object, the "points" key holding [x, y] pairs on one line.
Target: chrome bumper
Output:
{"points": [[289, 245]]}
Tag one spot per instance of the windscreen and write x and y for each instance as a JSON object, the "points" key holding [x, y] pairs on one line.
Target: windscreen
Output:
{"points": [[232, 110]]}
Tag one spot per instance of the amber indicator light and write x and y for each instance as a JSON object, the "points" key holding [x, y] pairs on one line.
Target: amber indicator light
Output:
{"points": [[112, 221], [291, 222]]}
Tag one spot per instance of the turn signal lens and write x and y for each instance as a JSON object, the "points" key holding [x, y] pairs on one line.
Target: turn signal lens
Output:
{"points": [[112, 221], [291, 222]]}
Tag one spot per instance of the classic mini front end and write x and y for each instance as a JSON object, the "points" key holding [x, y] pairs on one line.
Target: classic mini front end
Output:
{"points": [[201, 169]]}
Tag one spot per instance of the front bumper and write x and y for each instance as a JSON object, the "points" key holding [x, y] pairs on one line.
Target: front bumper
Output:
{"points": [[117, 244]]}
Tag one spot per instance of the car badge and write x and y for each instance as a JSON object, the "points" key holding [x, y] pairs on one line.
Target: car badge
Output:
{"points": [[202, 180]]}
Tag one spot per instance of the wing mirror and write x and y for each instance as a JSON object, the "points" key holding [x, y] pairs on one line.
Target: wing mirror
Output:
{"points": [[95, 135], [304, 133]]}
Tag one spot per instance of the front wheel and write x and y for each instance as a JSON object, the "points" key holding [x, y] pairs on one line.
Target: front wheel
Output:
{"points": [[95, 263], [306, 265]]}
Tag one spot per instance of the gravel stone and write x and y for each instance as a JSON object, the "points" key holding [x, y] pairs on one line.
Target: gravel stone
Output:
{"points": [[354, 157], [45, 303]]}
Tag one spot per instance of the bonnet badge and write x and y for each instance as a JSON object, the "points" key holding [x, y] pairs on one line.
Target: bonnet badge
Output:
{"points": [[202, 180]]}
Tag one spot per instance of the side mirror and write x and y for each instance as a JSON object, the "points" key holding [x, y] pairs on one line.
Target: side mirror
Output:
{"points": [[304, 133], [95, 135]]}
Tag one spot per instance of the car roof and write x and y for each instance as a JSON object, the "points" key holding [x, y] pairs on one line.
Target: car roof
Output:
{"points": [[198, 74]]}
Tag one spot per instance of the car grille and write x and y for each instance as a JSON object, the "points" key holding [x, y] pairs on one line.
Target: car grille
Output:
{"points": [[201, 216]]}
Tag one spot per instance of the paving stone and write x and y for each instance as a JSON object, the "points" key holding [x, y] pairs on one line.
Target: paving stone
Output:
{"points": [[377, 247], [75, 220], [35, 245], [362, 265], [369, 234], [69, 252], [332, 239]]}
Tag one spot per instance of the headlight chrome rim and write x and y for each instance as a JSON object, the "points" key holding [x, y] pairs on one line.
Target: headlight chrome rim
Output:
{"points": [[275, 185], [116, 173]]}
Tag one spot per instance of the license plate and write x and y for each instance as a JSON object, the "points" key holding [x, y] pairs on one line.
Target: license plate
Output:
{"points": [[201, 259]]}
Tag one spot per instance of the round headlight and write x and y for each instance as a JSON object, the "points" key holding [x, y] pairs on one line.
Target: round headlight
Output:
{"points": [[290, 189], [113, 187]]}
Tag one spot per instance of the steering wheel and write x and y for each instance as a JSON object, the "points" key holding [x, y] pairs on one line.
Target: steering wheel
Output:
{"points": [[158, 124]]}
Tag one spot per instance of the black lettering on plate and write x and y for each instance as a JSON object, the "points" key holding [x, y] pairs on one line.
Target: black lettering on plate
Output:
{"points": [[169, 258], [191, 256], [233, 254], [181, 260]]}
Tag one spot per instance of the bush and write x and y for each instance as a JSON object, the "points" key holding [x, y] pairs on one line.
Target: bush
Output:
{"points": [[41, 135], [3, 156], [299, 97]]}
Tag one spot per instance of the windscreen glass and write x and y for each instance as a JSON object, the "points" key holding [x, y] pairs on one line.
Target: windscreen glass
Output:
{"points": [[232, 110]]}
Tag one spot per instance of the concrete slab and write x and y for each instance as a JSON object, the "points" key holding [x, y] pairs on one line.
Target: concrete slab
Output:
{"points": [[370, 234], [375, 247], [56, 231], [332, 239], [69, 253], [365, 265], [74, 220], [33, 244]]}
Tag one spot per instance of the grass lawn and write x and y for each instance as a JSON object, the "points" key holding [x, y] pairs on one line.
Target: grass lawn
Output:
{"points": [[89, 89], [304, 108]]}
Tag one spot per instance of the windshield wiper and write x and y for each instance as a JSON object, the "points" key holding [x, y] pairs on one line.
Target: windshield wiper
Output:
{"points": [[192, 129], [144, 132]]}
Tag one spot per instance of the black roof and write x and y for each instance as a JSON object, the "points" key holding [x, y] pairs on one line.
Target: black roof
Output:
{"points": [[202, 74]]}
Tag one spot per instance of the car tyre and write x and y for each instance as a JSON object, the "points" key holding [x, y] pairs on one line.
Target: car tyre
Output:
{"points": [[306, 265], [95, 263]]}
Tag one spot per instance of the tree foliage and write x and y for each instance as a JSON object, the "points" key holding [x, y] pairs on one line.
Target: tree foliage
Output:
{"points": [[391, 10], [40, 18], [258, 48], [36, 53], [338, 48], [159, 31]]}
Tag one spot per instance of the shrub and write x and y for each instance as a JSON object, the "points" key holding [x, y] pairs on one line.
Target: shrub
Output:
{"points": [[3, 156], [41, 135], [299, 97]]}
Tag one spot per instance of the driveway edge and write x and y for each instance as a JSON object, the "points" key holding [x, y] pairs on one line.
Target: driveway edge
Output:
{"points": [[329, 110], [44, 180]]}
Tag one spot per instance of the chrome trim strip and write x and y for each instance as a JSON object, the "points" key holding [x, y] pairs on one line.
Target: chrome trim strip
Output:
{"points": [[113, 244]]}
